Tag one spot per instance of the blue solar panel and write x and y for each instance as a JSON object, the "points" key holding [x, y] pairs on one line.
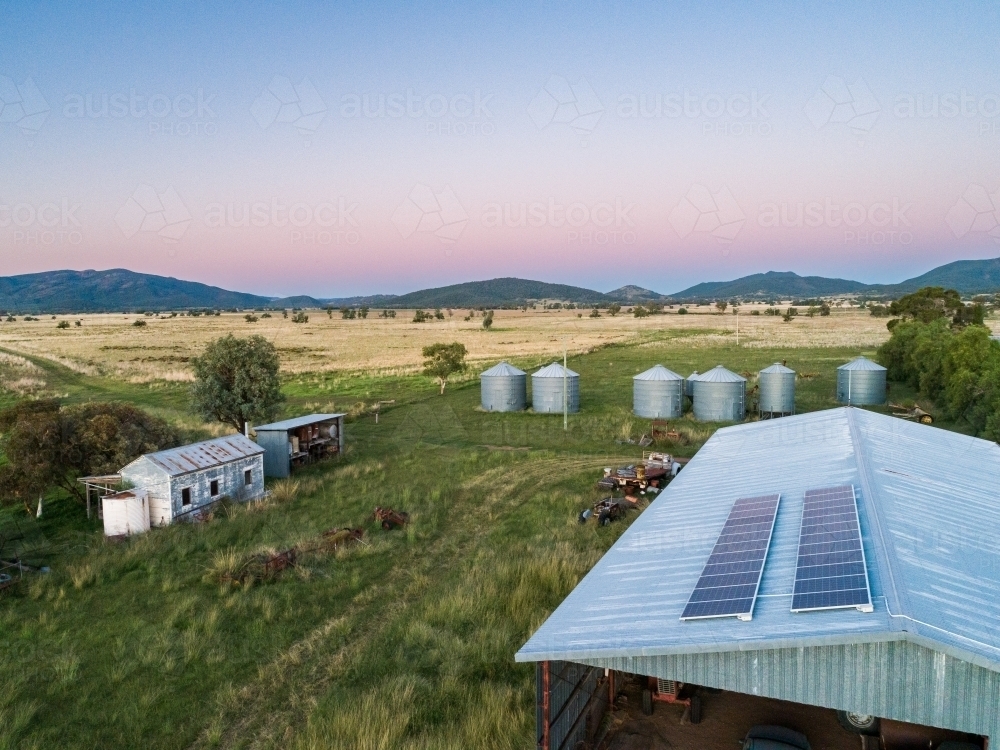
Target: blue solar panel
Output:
{"points": [[728, 584], [830, 572]]}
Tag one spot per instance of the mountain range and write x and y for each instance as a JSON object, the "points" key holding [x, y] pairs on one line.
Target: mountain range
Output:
{"points": [[121, 290]]}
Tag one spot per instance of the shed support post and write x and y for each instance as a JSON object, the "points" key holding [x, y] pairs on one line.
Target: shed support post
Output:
{"points": [[546, 707]]}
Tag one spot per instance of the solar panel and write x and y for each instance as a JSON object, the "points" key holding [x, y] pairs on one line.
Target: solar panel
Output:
{"points": [[728, 584], [830, 572]]}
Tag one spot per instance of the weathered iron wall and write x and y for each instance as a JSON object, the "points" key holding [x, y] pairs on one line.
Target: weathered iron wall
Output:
{"points": [[894, 680], [577, 701]]}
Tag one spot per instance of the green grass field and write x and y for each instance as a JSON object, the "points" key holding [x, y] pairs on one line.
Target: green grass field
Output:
{"points": [[405, 641]]}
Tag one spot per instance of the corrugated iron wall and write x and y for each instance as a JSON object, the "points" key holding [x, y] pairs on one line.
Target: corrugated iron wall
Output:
{"points": [[894, 680], [577, 700]]}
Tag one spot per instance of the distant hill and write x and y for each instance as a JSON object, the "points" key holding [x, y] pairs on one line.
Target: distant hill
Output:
{"points": [[301, 300], [115, 290], [494, 293], [772, 284], [632, 293], [966, 276]]}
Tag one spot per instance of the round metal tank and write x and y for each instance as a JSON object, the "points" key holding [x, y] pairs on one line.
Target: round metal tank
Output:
{"points": [[547, 390], [861, 382], [504, 388], [720, 396], [777, 391], [689, 384], [658, 393]]}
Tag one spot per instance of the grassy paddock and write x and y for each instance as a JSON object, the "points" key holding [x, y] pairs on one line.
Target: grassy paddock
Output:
{"points": [[404, 641]]}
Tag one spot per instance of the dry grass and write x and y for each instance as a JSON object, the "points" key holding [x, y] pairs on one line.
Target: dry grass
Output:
{"points": [[110, 345]]}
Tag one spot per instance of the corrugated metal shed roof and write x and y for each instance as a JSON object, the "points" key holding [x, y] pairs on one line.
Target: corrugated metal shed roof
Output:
{"points": [[204, 455], [502, 370], [777, 369], [295, 422], [555, 370], [861, 363], [720, 374], [658, 372], [929, 514]]}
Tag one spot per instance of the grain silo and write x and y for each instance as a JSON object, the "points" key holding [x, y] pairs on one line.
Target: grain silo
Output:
{"points": [[720, 396], [777, 391], [689, 384], [504, 388], [861, 382], [547, 390], [658, 393]]}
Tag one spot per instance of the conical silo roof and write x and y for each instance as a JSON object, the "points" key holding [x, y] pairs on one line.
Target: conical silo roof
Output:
{"points": [[555, 370], [861, 363], [658, 372], [777, 369], [720, 374], [502, 370]]}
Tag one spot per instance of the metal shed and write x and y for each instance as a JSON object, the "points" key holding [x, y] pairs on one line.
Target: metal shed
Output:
{"points": [[547, 390], [928, 653], [861, 382], [504, 388], [182, 481], [719, 395], [777, 391], [301, 440], [658, 393]]}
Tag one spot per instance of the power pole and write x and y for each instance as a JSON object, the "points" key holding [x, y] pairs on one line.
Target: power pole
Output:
{"points": [[565, 393]]}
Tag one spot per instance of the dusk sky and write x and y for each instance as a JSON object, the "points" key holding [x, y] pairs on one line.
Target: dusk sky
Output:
{"points": [[337, 149]]}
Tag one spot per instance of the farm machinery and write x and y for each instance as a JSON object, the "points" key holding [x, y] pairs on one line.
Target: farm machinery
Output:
{"points": [[915, 413], [655, 470]]}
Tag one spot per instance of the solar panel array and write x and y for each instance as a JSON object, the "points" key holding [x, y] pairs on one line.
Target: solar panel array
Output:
{"points": [[830, 571], [728, 584]]}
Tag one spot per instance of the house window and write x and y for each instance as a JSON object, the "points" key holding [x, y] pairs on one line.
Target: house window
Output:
{"points": [[186, 496], [214, 487], [247, 478]]}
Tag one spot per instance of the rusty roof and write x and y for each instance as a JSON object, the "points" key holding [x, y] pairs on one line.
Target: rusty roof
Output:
{"points": [[204, 455]]}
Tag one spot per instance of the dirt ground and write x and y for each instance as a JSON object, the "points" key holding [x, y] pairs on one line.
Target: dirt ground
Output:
{"points": [[725, 719]]}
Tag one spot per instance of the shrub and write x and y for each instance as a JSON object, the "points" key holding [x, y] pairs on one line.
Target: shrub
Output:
{"points": [[62, 324], [139, 323], [300, 317]]}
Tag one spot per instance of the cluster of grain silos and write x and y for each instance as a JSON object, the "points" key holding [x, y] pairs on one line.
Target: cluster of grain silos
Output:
{"points": [[861, 382], [658, 393], [504, 388], [719, 395]]}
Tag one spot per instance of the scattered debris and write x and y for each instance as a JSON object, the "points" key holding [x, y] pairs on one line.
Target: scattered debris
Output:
{"points": [[609, 509], [263, 566], [333, 539], [660, 430], [391, 519], [655, 470], [915, 413]]}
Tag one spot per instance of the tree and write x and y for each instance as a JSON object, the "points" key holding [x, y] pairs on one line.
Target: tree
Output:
{"points": [[441, 361], [640, 312], [47, 445], [721, 305], [614, 308], [236, 381], [488, 320], [300, 317], [933, 302]]}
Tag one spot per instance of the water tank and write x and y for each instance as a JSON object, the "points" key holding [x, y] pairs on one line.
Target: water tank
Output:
{"points": [[861, 382], [689, 384], [504, 388], [658, 393], [547, 390], [777, 391], [720, 396]]}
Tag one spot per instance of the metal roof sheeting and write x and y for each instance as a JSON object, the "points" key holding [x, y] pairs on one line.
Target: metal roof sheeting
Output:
{"points": [[658, 372], [502, 370], [204, 455], [861, 363], [929, 516], [296, 422], [720, 374], [555, 370]]}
